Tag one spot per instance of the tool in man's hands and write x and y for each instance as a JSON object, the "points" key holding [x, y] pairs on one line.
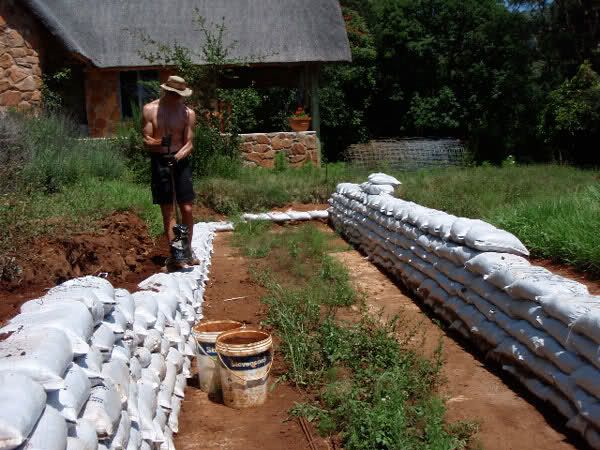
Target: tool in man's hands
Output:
{"points": [[181, 251]]}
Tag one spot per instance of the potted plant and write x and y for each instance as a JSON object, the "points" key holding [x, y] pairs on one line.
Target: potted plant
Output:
{"points": [[299, 121]]}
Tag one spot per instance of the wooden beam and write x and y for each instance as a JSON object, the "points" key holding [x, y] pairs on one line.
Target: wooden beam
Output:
{"points": [[314, 99]]}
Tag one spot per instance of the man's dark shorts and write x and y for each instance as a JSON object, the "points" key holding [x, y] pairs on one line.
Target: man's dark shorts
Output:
{"points": [[161, 181]]}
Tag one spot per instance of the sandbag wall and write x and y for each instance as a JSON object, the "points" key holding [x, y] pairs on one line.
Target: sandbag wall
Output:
{"points": [[542, 328], [88, 366]]}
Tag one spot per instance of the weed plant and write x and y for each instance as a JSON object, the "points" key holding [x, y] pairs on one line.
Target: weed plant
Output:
{"points": [[372, 390]]}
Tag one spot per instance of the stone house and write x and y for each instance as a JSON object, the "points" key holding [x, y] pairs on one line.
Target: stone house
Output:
{"points": [[95, 39]]}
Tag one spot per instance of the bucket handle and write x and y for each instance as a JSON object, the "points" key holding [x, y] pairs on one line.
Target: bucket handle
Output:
{"points": [[236, 375]]}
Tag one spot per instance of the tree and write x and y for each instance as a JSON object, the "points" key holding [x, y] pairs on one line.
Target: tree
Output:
{"points": [[570, 122]]}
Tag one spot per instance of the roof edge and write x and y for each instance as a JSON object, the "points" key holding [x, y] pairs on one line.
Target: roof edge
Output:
{"points": [[54, 26]]}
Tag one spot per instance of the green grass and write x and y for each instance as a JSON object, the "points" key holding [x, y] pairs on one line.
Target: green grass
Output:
{"points": [[552, 209], [563, 229], [371, 389]]}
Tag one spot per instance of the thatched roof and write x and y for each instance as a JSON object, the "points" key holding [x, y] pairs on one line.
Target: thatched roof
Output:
{"points": [[266, 31]]}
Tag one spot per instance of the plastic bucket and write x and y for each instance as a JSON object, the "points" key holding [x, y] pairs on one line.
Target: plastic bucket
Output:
{"points": [[206, 333], [245, 359]]}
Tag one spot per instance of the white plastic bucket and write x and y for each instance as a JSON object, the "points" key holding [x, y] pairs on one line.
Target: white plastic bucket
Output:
{"points": [[245, 359], [206, 333]]}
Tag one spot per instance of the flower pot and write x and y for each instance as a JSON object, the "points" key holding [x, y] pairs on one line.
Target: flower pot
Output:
{"points": [[299, 124]]}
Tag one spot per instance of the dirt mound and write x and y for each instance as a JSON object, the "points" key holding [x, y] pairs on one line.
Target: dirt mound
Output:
{"points": [[120, 247]]}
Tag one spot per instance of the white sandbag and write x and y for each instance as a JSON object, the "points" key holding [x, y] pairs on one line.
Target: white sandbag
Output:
{"points": [[135, 369], [85, 286], [135, 438], [175, 357], [460, 228], [248, 217], [41, 354], [518, 352], [165, 344], [588, 406], [376, 189], [460, 254], [186, 370], [23, 402], [152, 341], [84, 296], [121, 437], [85, 433], [189, 348], [117, 322], [145, 307], [165, 391], [276, 216], [50, 432], [488, 262], [173, 421], [144, 356], [158, 366], [588, 377], [533, 287], [125, 304], [103, 409], [121, 351], [167, 443], [91, 364], [180, 383], [161, 322], [117, 372], [491, 333], [588, 324], [70, 399], [567, 308], [488, 238], [97, 284], [167, 304], [74, 319], [103, 340], [150, 377], [75, 444], [382, 178], [132, 402], [298, 215], [263, 216], [319, 214], [529, 311], [147, 409]]}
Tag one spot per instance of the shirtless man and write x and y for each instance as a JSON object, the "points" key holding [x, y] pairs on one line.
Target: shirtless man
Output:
{"points": [[168, 116]]}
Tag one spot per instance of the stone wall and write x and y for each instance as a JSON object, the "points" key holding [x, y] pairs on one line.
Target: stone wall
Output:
{"points": [[259, 149], [21, 49]]}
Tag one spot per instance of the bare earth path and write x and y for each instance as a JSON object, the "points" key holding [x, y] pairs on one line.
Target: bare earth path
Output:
{"points": [[207, 425], [507, 421]]}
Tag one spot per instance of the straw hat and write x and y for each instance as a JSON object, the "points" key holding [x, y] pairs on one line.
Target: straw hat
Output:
{"points": [[178, 85]]}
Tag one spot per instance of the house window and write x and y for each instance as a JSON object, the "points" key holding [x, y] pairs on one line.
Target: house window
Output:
{"points": [[137, 89]]}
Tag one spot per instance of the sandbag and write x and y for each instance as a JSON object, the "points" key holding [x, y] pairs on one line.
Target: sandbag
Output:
{"points": [[121, 437], [152, 341], [50, 432], [125, 304], [117, 322], [103, 340], [486, 263], [83, 296], [121, 351], [165, 391], [41, 354], [319, 214], [180, 383], [135, 438], [73, 319], [147, 409], [70, 399], [173, 421], [567, 308], [117, 372], [460, 228], [79, 288], [91, 364], [588, 324], [23, 402], [534, 287], [488, 238], [103, 410], [382, 178], [146, 307], [144, 356], [157, 365], [84, 432]]}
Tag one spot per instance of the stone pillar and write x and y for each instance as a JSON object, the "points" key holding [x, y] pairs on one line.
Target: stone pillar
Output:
{"points": [[20, 72], [102, 101]]}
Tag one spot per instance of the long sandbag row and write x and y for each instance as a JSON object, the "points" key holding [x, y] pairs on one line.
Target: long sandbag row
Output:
{"points": [[287, 216], [543, 328], [88, 366]]}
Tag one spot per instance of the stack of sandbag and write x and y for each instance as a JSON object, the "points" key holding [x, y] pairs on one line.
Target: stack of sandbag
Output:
{"points": [[287, 216], [88, 366], [543, 328]]}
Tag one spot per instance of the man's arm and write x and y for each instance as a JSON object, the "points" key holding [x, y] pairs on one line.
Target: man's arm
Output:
{"points": [[150, 142], [189, 136]]}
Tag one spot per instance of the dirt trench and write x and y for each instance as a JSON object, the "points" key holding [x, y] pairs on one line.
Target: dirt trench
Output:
{"points": [[509, 418]]}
